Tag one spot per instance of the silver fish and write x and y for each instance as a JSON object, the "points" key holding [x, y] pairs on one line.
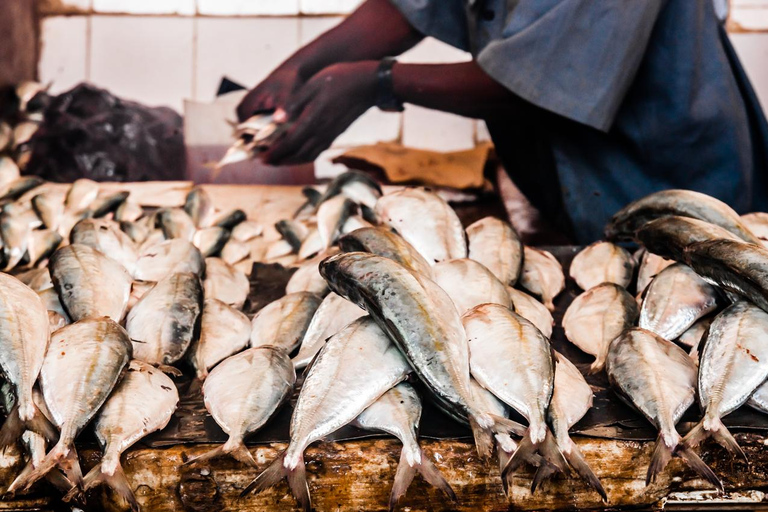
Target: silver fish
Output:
{"points": [[532, 310], [138, 290], [37, 278], [282, 323], [602, 262], [659, 379], [650, 265], [42, 243], [331, 216], [81, 194], [757, 223], [468, 284], [225, 283], [438, 235], [496, 244], [82, 366], [128, 211], [51, 302], [356, 185], [162, 324], [89, 284], [307, 278], [398, 412], [675, 299], [333, 314], [669, 236], [242, 393], [542, 275], [224, 331], [168, 258], [211, 240], [596, 317], [49, 206], [106, 237], [311, 246], [15, 232], [175, 223], [276, 249], [293, 232], [142, 402], [230, 220], [234, 251], [199, 206], [356, 367], [388, 244], [355, 222], [56, 321], [695, 333], [247, 230], [733, 364]]}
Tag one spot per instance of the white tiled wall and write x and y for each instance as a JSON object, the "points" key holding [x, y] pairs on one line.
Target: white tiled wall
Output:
{"points": [[64, 55]]}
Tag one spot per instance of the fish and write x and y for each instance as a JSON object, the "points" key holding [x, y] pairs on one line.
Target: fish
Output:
{"points": [[199, 206], [496, 244], [650, 266], [283, 322], [354, 368], [596, 317], [211, 240], [669, 236], [532, 310], [675, 299], [24, 335], [142, 402], [37, 278], [422, 320], [732, 366], [168, 257], [234, 251], [355, 222], [276, 249], [42, 243], [106, 237], [80, 195], [333, 314], [659, 379], [507, 446], [19, 187], [106, 204], [136, 230], [247, 230], [438, 235], [9, 171], [683, 203], [512, 359], [308, 278], [309, 207], [49, 206], [164, 322], [736, 267], [175, 223], [468, 284], [355, 185], [15, 232], [138, 290], [6, 137], [224, 331], [759, 399], [398, 412], [243, 393], [89, 284], [128, 211], [542, 275], [311, 245], [230, 220], [51, 302], [695, 333], [388, 244], [225, 283], [331, 216], [571, 399], [757, 223], [602, 262], [292, 232], [56, 321], [82, 366]]}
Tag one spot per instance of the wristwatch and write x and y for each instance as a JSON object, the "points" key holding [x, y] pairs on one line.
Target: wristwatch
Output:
{"points": [[385, 94]]}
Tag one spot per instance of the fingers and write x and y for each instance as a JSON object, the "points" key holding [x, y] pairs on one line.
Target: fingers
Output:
{"points": [[293, 139]]}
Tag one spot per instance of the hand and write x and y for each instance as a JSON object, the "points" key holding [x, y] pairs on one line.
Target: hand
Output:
{"points": [[271, 93], [322, 109]]}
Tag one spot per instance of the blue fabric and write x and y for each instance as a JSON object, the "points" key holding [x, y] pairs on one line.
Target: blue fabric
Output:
{"points": [[634, 97]]}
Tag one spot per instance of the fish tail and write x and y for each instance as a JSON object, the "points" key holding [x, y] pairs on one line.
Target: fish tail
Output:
{"points": [[718, 432], [30, 474], [662, 454], [35, 420], [276, 471], [483, 439], [575, 458], [432, 475], [117, 481], [543, 473], [170, 370], [698, 465], [545, 453], [406, 472], [70, 465], [234, 447], [597, 365]]}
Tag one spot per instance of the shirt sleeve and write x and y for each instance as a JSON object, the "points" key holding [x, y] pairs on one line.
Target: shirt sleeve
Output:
{"points": [[576, 58], [445, 20]]}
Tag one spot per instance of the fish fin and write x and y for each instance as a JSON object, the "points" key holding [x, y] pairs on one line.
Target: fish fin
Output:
{"points": [[236, 448], [597, 366], [662, 454], [276, 471], [718, 432], [29, 475], [116, 481], [403, 478], [502, 425], [543, 473], [64, 484], [483, 439], [525, 450], [546, 451], [576, 460], [432, 475], [170, 370], [699, 466], [70, 465], [14, 426]]}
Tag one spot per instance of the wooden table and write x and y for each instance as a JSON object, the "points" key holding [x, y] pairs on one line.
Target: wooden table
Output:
{"points": [[357, 475]]}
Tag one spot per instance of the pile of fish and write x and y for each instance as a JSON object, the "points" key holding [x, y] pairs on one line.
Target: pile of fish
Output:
{"points": [[21, 120]]}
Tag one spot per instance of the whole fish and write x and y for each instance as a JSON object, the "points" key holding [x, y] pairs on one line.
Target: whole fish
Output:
{"points": [[211, 240], [169, 257], [307, 278], [542, 275], [468, 284], [89, 284], [602, 262], [496, 244], [420, 317], [199, 207], [225, 283], [683, 203], [669, 236], [162, 324], [283, 322], [532, 310], [333, 314], [675, 299], [355, 185], [659, 379], [24, 338], [80, 195], [437, 235], [331, 216], [733, 364], [596, 317], [398, 412], [734, 266], [650, 265], [82, 366], [247, 230], [49, 206], [356, 366], [175, 223], [242, 393], [512, 359], [105, 236], [142, 402], [224, 331], [388, 244]]}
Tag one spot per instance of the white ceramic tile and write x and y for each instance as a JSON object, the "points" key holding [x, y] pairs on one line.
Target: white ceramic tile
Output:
{"points": [[372, 127], [753, 53], [63, 52], [432, 51], [311, 27], [438, 131], [148, 59], [481, 132], [328, 6], [247, 7], [244, 49], [749, 18], [184, 7]]}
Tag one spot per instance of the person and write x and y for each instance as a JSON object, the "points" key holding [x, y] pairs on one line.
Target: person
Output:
{"points": [[590, 104]]}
